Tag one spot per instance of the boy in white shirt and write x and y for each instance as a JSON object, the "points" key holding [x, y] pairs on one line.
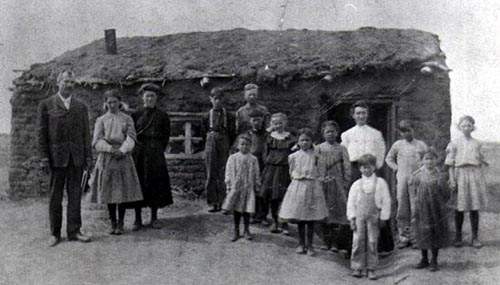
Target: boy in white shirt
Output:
{"points": [[368, 209]]}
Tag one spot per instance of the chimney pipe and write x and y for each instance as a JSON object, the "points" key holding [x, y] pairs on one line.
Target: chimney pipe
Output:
{"points": [[110, 39]]}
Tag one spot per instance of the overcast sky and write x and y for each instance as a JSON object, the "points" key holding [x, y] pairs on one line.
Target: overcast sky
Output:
{"points": [[37, 31]]}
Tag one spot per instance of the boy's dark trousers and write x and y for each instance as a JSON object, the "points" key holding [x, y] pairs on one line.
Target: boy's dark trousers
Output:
{"points": [[69, 176]]}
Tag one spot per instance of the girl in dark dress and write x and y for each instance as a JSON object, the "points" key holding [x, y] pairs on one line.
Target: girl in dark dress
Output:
{"points": [[429, 186], [276, 178], [153, 133]]}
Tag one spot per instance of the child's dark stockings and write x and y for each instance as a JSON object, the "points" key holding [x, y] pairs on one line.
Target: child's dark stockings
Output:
{"points": [[328, 234], [310, 234], [459, 220], [434, 252], [246, 222], [302, 233], [474, 223], [237, 218], [112, 213], [154, 214], [275, 207], [425, 259]]}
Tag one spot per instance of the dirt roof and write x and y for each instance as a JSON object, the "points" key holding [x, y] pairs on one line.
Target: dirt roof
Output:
{"points": [[260, 54]]}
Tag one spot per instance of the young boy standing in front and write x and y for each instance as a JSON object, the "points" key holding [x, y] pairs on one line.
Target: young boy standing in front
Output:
{"points": [[405, 157], [368, 209]]}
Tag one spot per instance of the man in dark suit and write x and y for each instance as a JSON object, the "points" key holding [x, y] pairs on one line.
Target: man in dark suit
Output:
{"points": [[64, 141]]}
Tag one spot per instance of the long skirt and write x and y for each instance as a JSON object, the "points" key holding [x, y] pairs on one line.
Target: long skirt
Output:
{"points": [[304, 201], [336, 202], [275, 181], [114, 180], [431, 220], [153, 174], [471, 189]]}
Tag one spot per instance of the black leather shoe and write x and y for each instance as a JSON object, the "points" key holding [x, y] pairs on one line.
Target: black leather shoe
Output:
{"points": [[433, 267], [136, 227], [79, 237], [155, 225], [422, 264], [53, 241]]}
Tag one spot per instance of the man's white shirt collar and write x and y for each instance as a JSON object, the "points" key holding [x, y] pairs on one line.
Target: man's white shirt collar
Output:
{"points": [[365, 126]]}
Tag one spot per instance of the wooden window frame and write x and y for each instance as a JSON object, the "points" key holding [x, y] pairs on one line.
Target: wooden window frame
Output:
{"points": [[188, 118]]}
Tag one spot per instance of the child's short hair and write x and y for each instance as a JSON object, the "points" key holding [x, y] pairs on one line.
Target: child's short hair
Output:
{"points": [[330, 123], [281, 116], [405, 125], [306, 131], [468, 118], [255, 113], [361, 104], [251, 86], [216, 92], [113, 93], [367, 160], [244, 137], [431, 151]]}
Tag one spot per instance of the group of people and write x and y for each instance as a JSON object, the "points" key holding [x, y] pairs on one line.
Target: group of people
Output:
{"points": [[267, 168], [338, 185], [130, 170]]}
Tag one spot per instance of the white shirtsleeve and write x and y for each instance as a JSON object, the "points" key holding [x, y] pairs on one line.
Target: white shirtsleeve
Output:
{"points": [[351, 200], [229, 174], [391, 156], [102, 146], [98, 141], [385, 199], [128, 145], [380, 149], [344, 140]]}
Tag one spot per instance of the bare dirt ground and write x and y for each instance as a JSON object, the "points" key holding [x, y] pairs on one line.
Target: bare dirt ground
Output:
{"points": [[193, 248]]}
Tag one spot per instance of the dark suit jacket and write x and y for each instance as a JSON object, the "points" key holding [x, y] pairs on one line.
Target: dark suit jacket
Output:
{"points": [[64, 133]]}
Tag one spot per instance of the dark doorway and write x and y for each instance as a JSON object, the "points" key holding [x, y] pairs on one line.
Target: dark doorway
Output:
{"points": [[381, 117]]}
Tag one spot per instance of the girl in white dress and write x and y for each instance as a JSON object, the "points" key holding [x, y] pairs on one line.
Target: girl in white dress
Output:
{"points": [[304, 201], [465, 159], [242, 180]]}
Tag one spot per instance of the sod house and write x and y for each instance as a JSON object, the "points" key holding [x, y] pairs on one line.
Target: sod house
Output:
{"points": [[310, 75]]}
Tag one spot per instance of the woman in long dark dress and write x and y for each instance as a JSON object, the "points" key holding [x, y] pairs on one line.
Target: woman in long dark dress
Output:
{"points": [[153, 133]]}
